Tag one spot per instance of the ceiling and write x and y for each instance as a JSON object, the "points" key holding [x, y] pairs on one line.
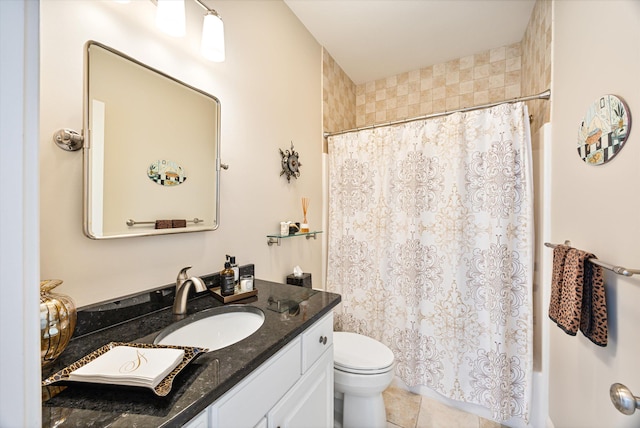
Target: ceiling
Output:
{"points": [[373, 39]]}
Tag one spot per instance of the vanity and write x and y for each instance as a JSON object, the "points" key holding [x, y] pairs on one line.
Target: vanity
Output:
{"points": [[281, 375]]}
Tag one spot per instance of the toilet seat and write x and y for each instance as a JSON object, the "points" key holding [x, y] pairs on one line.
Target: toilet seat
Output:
{"points": [[358, 354]]}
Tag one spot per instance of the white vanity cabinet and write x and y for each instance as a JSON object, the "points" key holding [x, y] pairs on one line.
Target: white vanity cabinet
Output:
{"points": [[309, 404], [293, 388]]}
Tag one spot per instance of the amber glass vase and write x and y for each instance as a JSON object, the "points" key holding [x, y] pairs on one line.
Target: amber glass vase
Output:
{"points": [[57, 321]]}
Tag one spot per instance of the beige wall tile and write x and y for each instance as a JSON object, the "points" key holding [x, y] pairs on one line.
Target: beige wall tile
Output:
{"points": [[438, 93], [480, 85], [466, 75], [453, 103], [480, 97], [466, 62], [452, 90], [513, 64], [426, 73], [426, 107], [481, 58], [481, 71], [496, 81], [497, 54], [413, 98], [452, 77], [466, 100], [466, 87], [402, 112], [439, 80]]}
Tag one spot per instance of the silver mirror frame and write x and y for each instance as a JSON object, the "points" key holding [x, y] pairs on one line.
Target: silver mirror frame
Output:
{"points": [[86, 149]]}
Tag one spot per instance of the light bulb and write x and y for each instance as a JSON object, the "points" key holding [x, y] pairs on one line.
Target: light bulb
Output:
{"points": [[212, 44], [170, 17]]}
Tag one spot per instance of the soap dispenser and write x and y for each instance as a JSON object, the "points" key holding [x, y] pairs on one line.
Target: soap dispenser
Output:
{"points": [[236, 270], [227, 287]]}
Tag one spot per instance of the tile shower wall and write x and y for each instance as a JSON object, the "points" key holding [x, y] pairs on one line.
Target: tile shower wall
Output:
{"points": [[488, 76], [338, 96], [536, 62]]}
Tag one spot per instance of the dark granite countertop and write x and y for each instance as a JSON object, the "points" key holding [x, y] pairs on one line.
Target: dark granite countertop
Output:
{"points": [[201, 383]]}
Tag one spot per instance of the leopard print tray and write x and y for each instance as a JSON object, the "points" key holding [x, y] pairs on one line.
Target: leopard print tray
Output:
{"points": [[161, 390]]}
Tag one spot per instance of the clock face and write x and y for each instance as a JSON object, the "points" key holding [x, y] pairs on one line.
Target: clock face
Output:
{"points": [[290, 163]]}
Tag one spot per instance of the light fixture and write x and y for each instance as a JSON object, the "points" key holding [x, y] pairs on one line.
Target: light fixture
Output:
{"points": [[170, 17], [212, 44]]}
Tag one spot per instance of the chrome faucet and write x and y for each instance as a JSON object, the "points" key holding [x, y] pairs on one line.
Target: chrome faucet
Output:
{"points": [[183, 283]]}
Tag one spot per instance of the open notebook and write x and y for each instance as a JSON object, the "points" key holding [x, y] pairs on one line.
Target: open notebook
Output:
{"points": [[127, 365]]}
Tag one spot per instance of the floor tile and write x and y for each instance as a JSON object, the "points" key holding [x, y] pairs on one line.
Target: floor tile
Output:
{"points": [[402, 407], [434, 414], [486, 423]]}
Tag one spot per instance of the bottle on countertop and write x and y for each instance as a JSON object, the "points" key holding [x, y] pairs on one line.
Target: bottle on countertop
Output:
{"points": [[227, 287], [236, 269]]}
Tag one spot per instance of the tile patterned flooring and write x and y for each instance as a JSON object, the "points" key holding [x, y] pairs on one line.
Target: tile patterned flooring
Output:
{"points": [[408, 410]]}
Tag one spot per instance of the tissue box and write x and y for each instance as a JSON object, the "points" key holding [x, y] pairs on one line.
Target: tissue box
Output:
{"points": [[302, 281]]}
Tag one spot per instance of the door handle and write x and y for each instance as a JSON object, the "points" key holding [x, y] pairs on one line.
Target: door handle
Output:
{"points": [[623, 399]]}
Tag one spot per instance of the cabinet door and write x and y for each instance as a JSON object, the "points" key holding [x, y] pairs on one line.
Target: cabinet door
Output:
{"points": [[309, 404], [247, 403], [200, 421], [316, 340]]}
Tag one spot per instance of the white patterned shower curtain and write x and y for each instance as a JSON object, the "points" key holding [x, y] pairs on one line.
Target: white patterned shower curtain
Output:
{"points": [[431, 247]]}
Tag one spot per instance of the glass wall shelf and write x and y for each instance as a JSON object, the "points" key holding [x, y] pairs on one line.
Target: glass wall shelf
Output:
{"points": [[275, 239]]}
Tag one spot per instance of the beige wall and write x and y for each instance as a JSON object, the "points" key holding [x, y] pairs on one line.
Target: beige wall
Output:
{"points": [[266, 104], [596, 51]]}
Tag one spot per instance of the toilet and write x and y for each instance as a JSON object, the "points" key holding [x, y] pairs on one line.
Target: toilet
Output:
{"points": [[362, 370]]}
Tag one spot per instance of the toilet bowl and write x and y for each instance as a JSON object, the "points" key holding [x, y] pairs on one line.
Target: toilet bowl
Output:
{"points": [[362, 370]]}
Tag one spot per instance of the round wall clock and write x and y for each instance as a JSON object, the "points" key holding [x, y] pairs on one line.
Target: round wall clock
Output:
{"points": [[604, 130], [290, 163]]}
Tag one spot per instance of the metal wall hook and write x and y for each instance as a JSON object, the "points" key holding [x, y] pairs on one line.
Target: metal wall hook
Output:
{"points": [[68, 139], [623, 399], [224, 165]]}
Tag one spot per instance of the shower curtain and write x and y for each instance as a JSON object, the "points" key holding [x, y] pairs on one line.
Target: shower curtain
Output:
{"points": [[431, 247]]}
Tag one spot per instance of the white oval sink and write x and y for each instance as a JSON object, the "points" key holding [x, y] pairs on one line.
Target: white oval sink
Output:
{"points": [[213, 328]]}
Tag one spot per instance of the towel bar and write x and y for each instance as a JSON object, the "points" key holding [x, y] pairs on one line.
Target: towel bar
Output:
{"points": [[617, 269], [132, 222]]}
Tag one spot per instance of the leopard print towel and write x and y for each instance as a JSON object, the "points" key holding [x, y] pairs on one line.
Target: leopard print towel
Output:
{"points": [[593, 320], [578, 298], [559, 256]]}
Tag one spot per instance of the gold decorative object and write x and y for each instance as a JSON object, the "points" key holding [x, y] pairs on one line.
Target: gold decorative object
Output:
{"points": [[57, 321]]}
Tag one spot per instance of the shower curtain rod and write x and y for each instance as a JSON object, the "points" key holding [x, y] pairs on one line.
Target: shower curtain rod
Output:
{"points": [[541, 96]]}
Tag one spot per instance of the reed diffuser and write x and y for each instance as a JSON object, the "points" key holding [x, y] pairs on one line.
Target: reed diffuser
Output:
{"points": [[304, 227]]}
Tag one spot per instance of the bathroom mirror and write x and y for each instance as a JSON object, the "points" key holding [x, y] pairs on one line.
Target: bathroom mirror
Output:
{"points": [[151, 150]]}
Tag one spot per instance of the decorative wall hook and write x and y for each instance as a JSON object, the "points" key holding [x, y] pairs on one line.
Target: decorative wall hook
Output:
{"points": [[68, 139]]}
